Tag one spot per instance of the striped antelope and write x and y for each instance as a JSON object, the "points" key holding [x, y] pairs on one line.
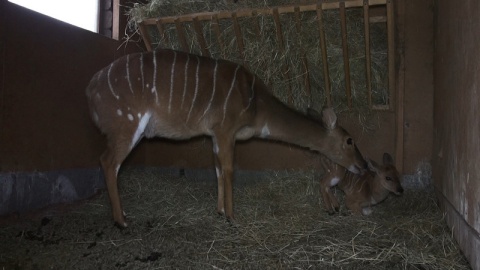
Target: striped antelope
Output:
{"points": [[176, 95], [361, 191]]}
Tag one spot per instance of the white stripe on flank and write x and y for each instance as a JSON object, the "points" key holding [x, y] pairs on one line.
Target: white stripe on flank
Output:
{"points": [[128, 74], [185, 80], [141, 71], [110, 83], [213, 90], [196, 88], [252, 95], [172, 73], [140, 129], [154, 83], [229, 93]]}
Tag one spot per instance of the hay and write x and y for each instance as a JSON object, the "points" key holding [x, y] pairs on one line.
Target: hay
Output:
{"points": [[264, 58], [282, 225]]}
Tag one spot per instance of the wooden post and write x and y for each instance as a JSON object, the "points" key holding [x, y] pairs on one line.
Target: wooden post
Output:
{"points": [[368, 64], [323, 47], [239, 36], [181, 35], [346, 59], [306, 77], [281, 48], [163, 35], [197, 25], [145, 36], [216, 29]]}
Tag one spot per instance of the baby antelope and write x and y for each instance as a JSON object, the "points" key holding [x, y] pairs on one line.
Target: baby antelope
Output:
{"points": [[361, 191]]}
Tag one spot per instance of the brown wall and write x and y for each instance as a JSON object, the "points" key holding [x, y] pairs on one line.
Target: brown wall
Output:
{"points": [[456, 156], [44, 124]]}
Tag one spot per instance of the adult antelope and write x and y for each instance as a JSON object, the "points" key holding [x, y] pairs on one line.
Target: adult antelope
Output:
{"points": [[177, 95], [361, 191]]}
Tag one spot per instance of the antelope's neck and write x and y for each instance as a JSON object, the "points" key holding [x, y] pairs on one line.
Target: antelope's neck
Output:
{"points": [[278, 122]]}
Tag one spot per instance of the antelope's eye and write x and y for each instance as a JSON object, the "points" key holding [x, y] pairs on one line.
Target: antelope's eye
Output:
{"points": [[388, 178], [349, 141]]}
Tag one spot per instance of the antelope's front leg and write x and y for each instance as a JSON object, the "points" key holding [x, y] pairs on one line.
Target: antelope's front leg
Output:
{"points": [[223, 151]]}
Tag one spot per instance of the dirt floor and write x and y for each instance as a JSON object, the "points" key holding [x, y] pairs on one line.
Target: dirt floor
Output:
{"points": [[281, 225]]}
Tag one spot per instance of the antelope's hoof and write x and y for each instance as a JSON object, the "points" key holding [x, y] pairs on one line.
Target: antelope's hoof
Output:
{"points": [[233, 222], [121, 226]]}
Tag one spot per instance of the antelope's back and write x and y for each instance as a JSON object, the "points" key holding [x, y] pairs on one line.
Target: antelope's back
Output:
{"points": [[185, 94]]}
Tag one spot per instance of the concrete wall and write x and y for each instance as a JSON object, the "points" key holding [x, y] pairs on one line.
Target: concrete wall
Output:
{"points": [[456, 158]]}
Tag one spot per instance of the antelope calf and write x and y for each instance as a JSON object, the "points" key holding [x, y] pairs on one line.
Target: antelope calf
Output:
{"points": [[176, 95], [361, 191]]}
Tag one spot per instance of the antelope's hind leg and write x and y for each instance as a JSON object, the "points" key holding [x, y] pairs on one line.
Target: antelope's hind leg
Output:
{"points": [[119, 146]]}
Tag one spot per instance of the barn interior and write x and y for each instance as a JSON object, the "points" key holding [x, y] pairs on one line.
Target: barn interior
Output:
{"points": [[50, 148]]}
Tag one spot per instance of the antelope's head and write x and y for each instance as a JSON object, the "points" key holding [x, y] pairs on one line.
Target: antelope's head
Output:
{"points": [[387, 174], [340, 146]]}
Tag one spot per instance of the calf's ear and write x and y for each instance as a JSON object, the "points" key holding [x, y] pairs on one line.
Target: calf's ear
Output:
{"points": [[387, 159], [329, 118]]}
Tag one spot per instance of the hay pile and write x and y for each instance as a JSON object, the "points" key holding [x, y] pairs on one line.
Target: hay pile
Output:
{"points": [[282, 225], [264, 58]]}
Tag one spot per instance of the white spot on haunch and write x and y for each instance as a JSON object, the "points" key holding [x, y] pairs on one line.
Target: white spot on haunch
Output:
{"points": [[130, 117], [139, 115], [147, 85], [119, 112]]}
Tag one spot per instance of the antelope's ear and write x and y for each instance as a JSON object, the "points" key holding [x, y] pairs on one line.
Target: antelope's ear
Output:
{"points": [[372, 165], [329, 118], [387, 159]]}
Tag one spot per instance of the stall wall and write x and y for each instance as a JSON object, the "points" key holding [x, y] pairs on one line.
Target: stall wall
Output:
{"points": [[46, 132], [456, 158]]}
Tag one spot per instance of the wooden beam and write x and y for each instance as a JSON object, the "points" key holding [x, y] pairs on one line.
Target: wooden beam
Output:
{"points": [[346, 58]]}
